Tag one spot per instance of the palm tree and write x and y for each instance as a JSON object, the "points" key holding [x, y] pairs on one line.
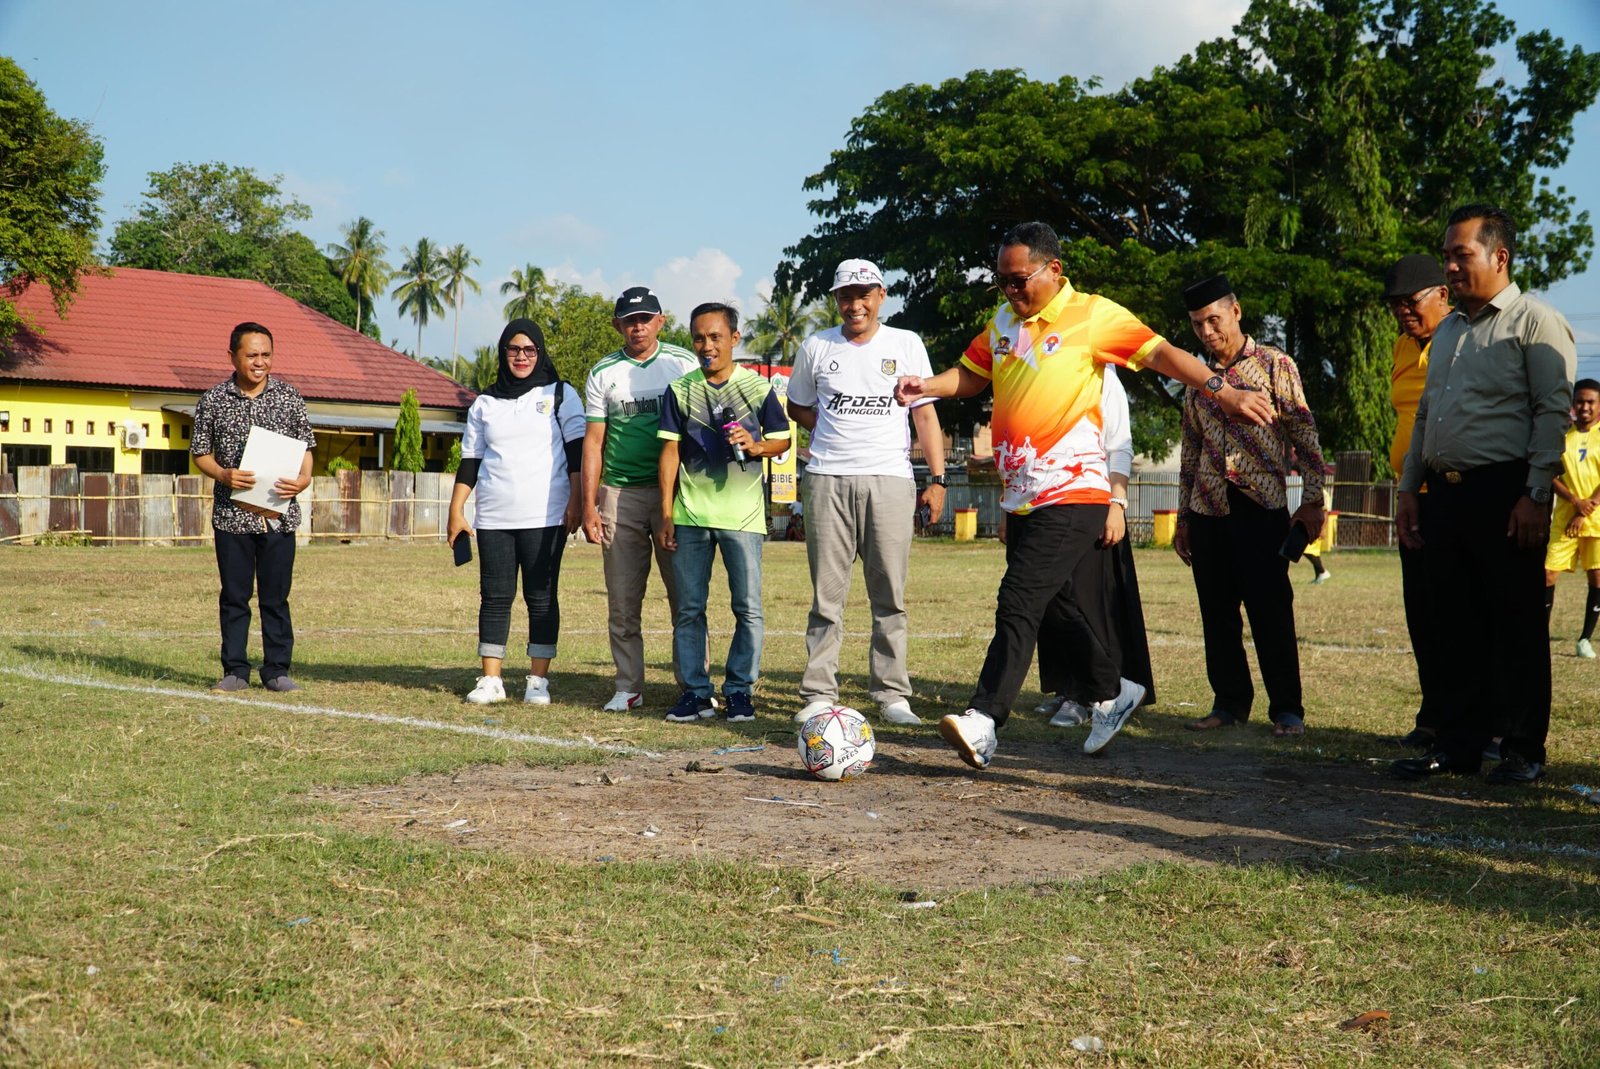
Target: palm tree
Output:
{"points": [[820, 315], [532, 293], [457, 261], [360, 263], [419, 293], [779, 328]]}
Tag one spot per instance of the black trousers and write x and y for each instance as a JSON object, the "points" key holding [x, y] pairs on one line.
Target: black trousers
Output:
{"points": [[1057, 663], [1422, 629], [1491, 593], [263, 564], [1236, 562], [1054, 568], [536, 551]]}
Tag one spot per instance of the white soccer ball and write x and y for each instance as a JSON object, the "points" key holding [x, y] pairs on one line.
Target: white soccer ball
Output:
{"points": [[836, 744]]}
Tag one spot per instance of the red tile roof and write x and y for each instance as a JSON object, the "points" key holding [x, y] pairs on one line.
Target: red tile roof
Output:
{"points": [[155, 330]]}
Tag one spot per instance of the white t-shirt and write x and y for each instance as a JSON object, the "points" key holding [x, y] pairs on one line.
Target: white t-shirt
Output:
{"points": [[860, 429], [1116, 435], [521, 443]]}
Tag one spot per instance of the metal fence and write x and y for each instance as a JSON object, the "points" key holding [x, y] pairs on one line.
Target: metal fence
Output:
{"points": [[105, 509]]}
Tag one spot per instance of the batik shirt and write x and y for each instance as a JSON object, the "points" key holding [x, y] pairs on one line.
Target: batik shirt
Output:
{"points": [[222, 421], [1219, 452], [1048, 376]]}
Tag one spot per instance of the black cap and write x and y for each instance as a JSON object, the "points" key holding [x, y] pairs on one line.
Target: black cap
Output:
{"points": [[636, 301], [1412, 274], [1211, 290]]}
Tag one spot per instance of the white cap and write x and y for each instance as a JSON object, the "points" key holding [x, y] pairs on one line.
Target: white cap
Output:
{"points": [[857, 273]]}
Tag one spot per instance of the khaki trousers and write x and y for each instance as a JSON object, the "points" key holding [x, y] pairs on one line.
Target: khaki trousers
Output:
{"points": [[865, 516], [630, 517]]}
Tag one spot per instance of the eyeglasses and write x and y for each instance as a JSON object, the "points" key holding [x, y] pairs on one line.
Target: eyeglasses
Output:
{"points": [[1397, 303], [1017, 282], [858, 275], [524, 350]]}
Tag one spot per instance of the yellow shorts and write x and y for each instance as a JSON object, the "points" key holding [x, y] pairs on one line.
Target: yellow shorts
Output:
{"points": [[1572, 554]]}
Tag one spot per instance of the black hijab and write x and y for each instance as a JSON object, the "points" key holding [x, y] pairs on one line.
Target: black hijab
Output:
{"points": [[506, 384]]}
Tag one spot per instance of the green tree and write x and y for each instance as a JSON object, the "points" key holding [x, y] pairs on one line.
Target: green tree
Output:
{"points": [[531, 294], [408, 434], [422, 273], [580, 332], [50, 168], [778, 329], [457, 261], [1301, 154], [452, 463], [359, 259]]}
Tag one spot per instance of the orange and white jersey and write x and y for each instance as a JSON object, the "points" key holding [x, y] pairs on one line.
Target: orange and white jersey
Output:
{"points": [[1048, 377]]}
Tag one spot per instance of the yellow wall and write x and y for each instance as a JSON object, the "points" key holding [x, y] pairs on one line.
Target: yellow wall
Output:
{"points": [[110, 408], [32, 405]]}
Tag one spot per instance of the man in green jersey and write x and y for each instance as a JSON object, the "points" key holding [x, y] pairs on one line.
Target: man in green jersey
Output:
{"points": [[621, 494]]}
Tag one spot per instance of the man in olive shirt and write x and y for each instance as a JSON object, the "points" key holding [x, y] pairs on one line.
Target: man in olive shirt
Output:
{"points": [[1488, 440], [1415, 291]]}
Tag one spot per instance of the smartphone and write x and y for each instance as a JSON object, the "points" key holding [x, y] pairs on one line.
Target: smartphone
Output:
{"points": [[463, 549], [1295, 545]]}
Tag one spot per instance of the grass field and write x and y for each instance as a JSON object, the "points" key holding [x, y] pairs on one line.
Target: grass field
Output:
{"points": [[176, 889]]}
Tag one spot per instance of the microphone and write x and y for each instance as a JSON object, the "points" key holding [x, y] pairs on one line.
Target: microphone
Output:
{"points": [[738, 452]]}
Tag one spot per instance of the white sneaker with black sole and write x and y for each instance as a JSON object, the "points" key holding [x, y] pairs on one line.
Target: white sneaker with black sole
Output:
{"points": [[1108, 716], [972, 735]]}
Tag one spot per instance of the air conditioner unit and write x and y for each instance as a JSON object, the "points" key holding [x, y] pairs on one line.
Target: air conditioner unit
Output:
{"points": [[133, 436]]}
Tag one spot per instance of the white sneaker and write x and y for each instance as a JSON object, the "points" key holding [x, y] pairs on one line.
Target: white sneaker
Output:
{"points": [[538, 692], [1111, 714], [812, 709], [623, 700], [1050, 706], [899, 713], [1322, 578], [1585, 648], [972, 735], [1070, 715], [488, 691]]}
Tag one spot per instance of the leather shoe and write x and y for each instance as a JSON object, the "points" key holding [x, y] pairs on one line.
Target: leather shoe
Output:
{"points": [[1429, 764], [1515, 770], [1419, 739]]}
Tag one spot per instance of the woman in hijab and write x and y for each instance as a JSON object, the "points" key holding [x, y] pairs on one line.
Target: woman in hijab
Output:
{"points": [[521, 453]]}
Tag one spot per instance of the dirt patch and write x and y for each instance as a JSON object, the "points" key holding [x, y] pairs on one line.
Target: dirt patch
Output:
{"points": [[919, 819]]}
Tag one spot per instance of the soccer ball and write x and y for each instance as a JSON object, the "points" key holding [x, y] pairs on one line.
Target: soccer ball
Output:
{"points": [[836, 744]]}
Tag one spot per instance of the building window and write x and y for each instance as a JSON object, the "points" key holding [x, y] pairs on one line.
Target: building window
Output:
{"points": [[47, 425], [146, 428], [111, 429], [27, 423], [89, 427], [91, 458], [164, 462], [185, 431], [166, 430], [25, 456], [69, 426]]}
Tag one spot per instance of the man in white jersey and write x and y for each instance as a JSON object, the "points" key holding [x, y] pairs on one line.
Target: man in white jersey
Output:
{"points": [[621, 494], [860, 494]]}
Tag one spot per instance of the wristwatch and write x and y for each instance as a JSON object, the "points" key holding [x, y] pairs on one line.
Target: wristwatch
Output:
{"points": [[1120, 501], [936, 480], [1539, 494], [1214, 385]]}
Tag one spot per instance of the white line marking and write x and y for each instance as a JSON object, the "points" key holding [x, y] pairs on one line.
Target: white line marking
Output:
{"points": [[327, 711]]}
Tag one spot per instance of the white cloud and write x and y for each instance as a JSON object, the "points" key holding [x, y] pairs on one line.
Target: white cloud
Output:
{"points": [[564, 233], [685, 281]]}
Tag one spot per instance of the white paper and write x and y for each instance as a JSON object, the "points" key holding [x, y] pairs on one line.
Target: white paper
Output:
{"points": [[271, 456]]}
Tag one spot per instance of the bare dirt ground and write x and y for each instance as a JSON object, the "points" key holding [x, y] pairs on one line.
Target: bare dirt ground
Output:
{"points": [[918, 820]]}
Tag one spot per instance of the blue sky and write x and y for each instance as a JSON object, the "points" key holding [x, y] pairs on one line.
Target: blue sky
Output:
{"points": [[612, 143]]}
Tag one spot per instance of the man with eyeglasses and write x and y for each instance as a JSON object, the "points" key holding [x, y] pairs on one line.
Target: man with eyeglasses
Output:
{"points": [[621, 487], [1415, 290], [860, 493], [1488, 443], [1045, 353]]}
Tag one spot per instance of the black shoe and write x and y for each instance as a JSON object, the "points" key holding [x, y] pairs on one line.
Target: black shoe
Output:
{"points": [[1492, 752], [691, 707], [1515, 770], [1419, 738], [740, 708], [1429, 764]]}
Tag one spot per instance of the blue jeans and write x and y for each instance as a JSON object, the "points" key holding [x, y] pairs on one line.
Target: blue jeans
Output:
{"points": [[691, 568]]}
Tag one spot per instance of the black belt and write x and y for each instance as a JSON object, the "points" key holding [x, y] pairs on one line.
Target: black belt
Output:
{"points": [[1500, 468]]}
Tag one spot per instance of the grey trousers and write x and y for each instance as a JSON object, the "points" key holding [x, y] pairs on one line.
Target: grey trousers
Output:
{"points": [[630, 517], [851, 516]]}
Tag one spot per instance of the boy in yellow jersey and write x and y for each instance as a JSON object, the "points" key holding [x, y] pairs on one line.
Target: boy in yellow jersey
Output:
{"points": [[1575, 523]]}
